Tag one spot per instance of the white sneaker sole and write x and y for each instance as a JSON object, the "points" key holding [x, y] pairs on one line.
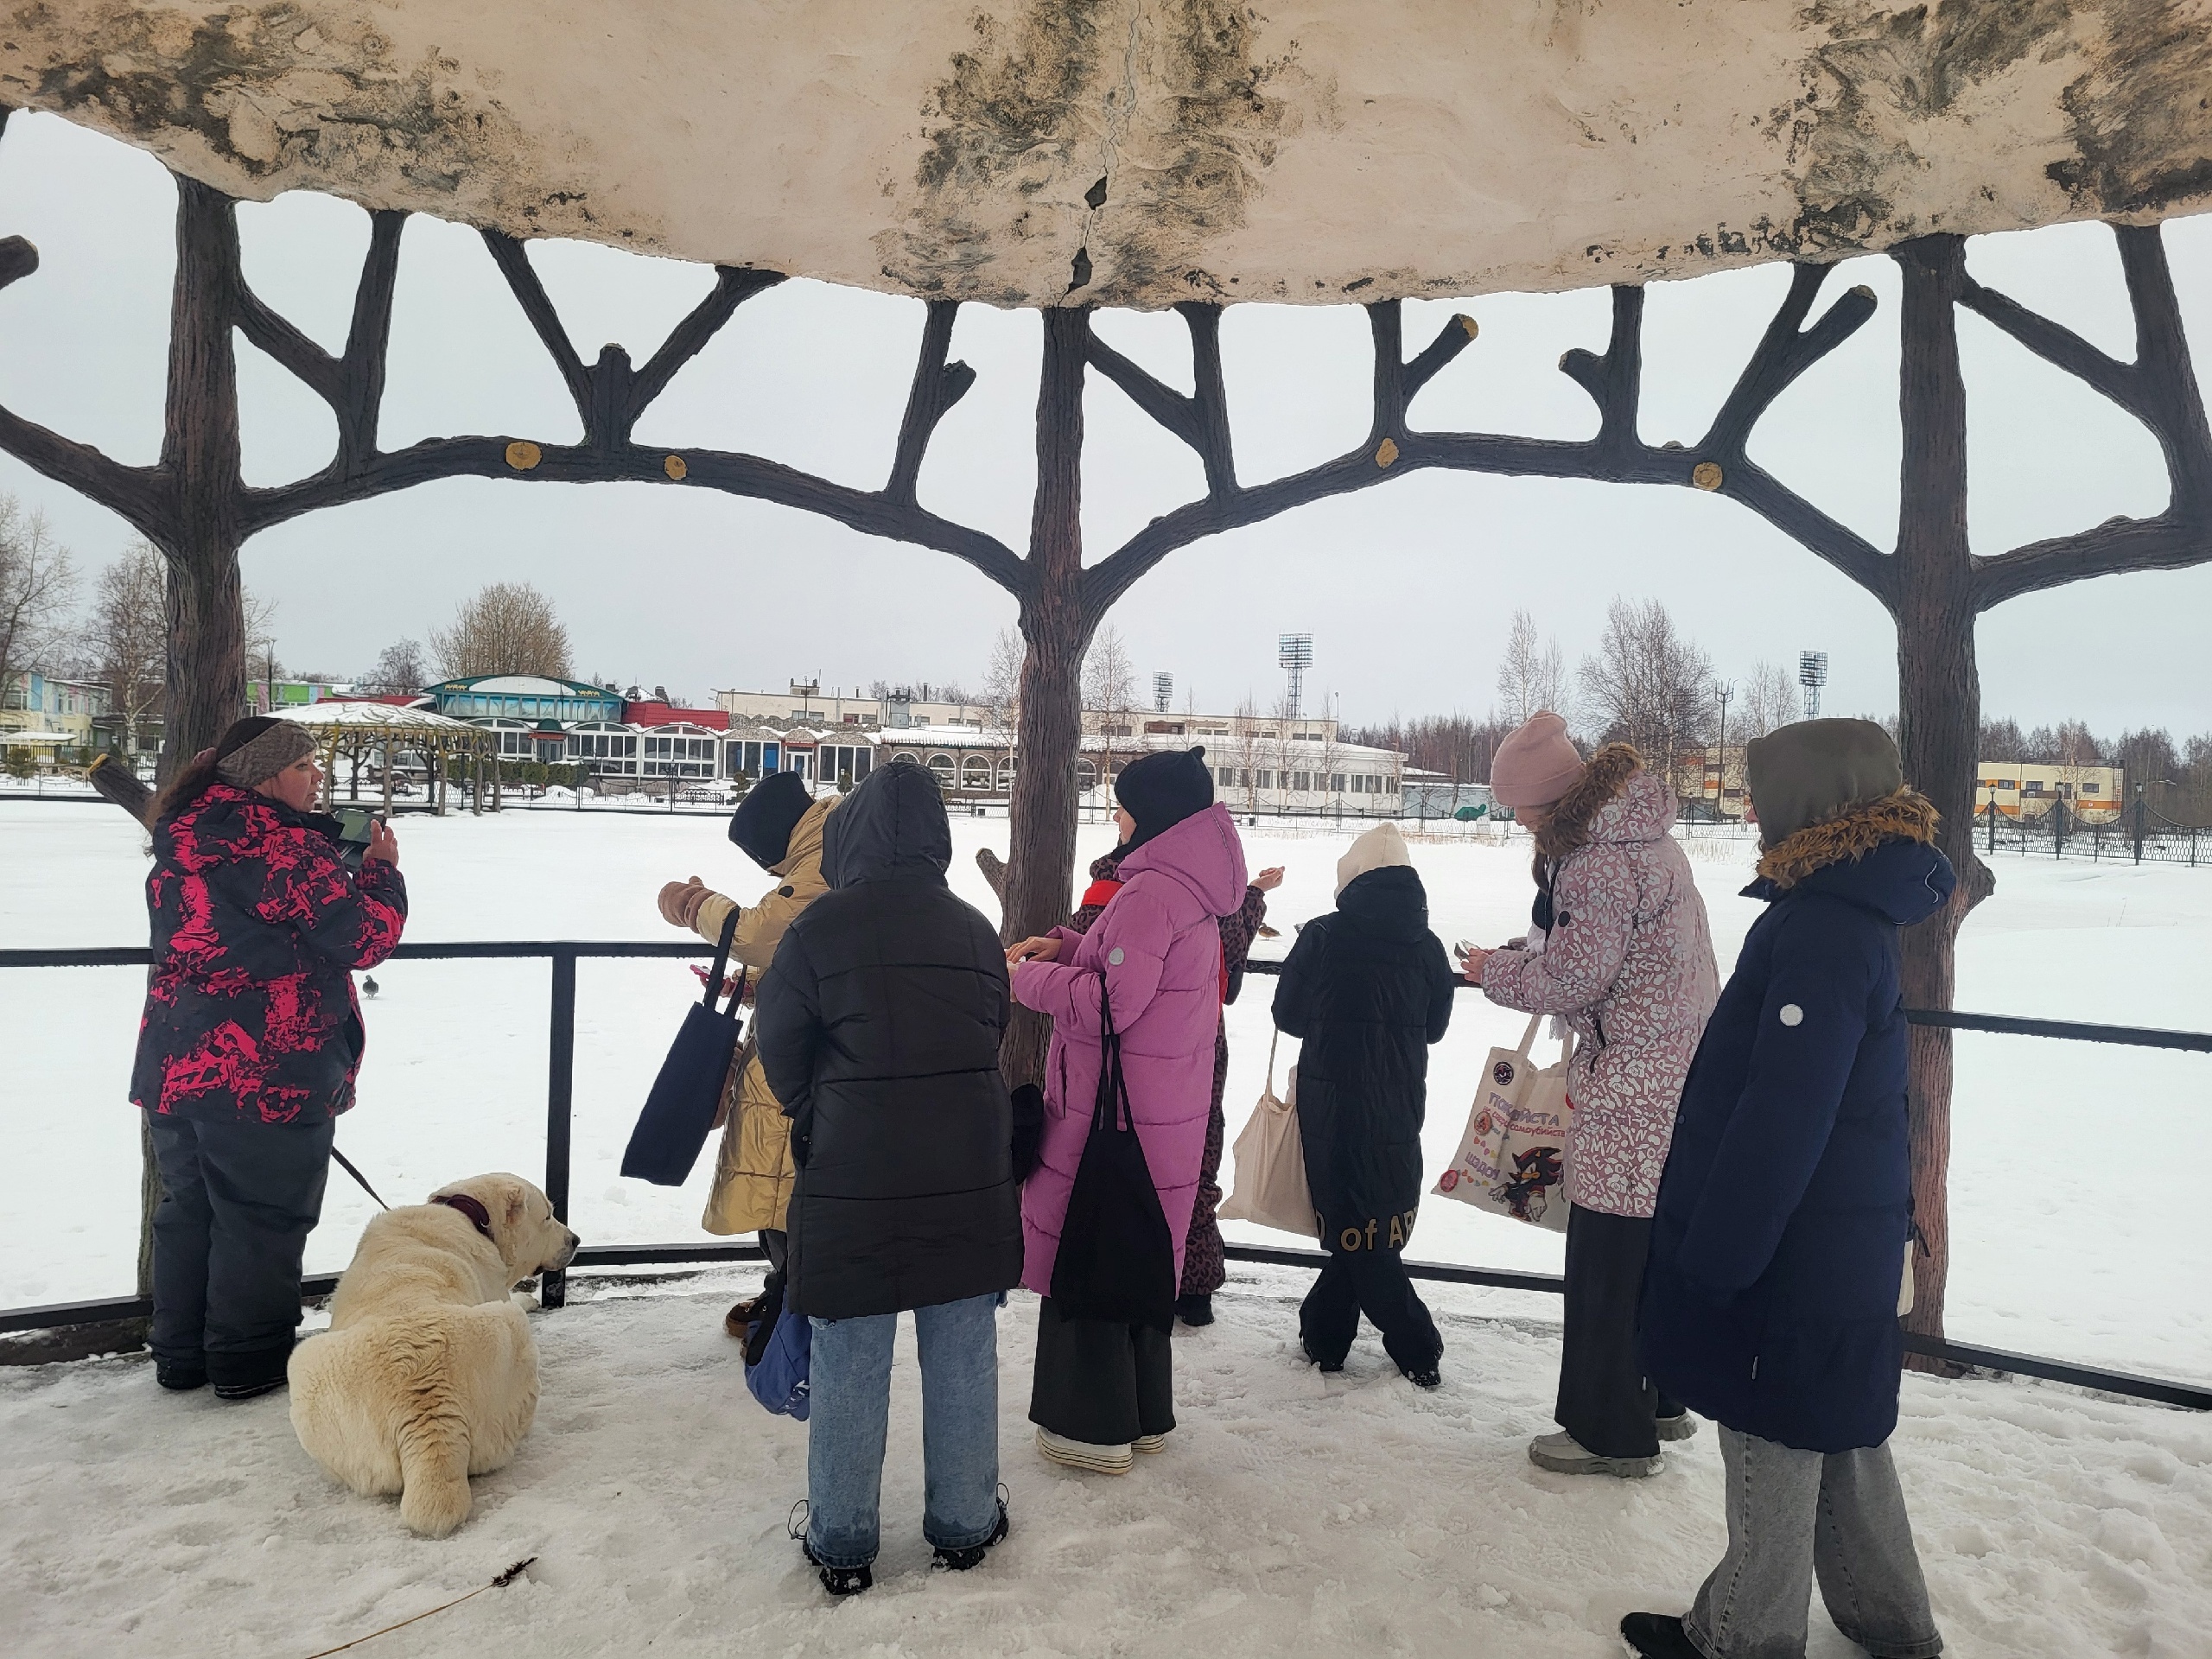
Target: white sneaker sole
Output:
{"points": [[1100, 1460], [1589, 1464], [1149, 1444], [1677, 1428]]}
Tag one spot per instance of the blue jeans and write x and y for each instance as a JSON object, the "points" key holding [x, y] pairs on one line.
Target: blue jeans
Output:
{"points": [[850, 1410]]}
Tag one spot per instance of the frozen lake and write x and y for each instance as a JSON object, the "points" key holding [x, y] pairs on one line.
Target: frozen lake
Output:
{"points": [[2078, 1220]]}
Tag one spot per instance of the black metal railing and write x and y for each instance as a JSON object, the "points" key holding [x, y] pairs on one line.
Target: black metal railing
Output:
{"points": [[560, 1097]]}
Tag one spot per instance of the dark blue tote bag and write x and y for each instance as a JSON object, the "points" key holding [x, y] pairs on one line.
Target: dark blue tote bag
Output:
{"points": [[779, 1382], [680, 1110]]}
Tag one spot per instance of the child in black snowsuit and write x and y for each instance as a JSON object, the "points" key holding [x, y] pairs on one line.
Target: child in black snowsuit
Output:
{"points": [[1369, 989]]}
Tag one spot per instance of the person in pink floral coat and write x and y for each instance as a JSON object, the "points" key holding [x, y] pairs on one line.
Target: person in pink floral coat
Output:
{"points": [[1621, 951]]}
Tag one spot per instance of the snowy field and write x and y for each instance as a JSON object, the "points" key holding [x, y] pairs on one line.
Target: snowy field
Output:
{"points": [[1291, 1515], [2078, 1171]]}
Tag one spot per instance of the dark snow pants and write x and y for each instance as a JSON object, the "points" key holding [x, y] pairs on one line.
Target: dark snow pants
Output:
{"points": [[1101, 1383], [1604, 1400], [238, 1203], [1372, 1282]]}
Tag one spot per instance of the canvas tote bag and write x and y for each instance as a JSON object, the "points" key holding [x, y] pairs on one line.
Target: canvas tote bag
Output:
{"points": [[687, 1096], [1271, 1190], [1512, 1158], [1116, 1259]]}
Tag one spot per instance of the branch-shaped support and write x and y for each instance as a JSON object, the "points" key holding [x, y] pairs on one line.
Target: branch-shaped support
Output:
{"points": [[2159, 389], [1783, 354], [1615, 381], [938, 385], [1199, 419]]}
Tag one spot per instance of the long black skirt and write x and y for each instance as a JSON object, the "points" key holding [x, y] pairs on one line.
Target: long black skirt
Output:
{"points": [[1101, 1383]]}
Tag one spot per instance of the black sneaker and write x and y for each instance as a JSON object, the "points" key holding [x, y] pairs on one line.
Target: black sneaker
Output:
{"points": [[1428, 1377], [1194, 1310], [1657, 1635], [960, 1560], [180, 1376], [1313, 1359], [838, 1580]]}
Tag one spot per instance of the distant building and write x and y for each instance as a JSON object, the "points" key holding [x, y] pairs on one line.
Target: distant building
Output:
{"points": [[2028, 789], [34, 701], [805, 705]]}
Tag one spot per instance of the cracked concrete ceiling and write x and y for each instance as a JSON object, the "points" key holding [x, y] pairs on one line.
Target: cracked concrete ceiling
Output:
{"points": [[1140, 152]]}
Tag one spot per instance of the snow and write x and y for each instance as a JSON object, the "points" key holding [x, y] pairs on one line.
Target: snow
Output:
{"points": [[1291, 1514], [2076, 1169]]}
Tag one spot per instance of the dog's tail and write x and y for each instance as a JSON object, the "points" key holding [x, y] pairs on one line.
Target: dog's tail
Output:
{"points": [[433, 1472]]}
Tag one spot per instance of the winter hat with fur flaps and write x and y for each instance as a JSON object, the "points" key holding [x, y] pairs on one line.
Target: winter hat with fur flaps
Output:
{"points": [[1381, 848], [761, 827], [1536, 765], [1162, 789], [1818, 770]]}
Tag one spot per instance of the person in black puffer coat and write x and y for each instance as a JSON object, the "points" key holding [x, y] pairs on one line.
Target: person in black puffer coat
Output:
{"points": [[1369, 989], [1779, 1248], [879, 1026]]}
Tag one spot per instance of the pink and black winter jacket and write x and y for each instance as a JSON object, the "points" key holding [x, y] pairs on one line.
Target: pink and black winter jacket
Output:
{"points": [[257, 927]]}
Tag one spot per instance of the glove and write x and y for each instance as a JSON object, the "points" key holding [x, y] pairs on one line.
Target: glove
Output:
{"points": [[680, 901]]}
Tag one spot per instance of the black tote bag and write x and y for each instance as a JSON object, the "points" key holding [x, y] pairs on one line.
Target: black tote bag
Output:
{"points": [[680, 1110], [1116, 1260]]}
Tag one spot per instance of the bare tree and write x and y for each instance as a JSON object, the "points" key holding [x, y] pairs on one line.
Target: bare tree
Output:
{"points": [[1109, 689], [1532, 675], [1000, 696], [1246, 746], [38, 584], [509, 627], [400, 670], [1649, 685], [125, 636], [1771, 699]]}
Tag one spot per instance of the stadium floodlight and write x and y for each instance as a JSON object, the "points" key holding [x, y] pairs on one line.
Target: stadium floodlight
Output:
{"points": [[1163, 691], [1295, 651], [1812, 674]]}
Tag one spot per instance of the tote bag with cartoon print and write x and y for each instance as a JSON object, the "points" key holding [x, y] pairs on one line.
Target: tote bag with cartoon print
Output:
{"points": [[1512, 1157]]}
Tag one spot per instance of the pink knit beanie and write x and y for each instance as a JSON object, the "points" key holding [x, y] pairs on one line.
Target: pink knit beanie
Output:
{"points": [[1535, 765]]}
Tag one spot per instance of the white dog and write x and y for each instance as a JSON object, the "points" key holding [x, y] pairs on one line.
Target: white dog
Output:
{"points": [[428, 1373]]}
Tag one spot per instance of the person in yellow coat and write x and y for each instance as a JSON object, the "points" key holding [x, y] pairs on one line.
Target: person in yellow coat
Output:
{"points": [[779, 826]]}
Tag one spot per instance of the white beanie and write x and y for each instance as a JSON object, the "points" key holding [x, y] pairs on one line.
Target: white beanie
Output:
{"points": [[1381, 848]]}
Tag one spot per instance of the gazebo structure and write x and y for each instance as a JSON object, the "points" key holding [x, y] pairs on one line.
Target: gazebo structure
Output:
{"points": [[1187, 153], [357, 730]]}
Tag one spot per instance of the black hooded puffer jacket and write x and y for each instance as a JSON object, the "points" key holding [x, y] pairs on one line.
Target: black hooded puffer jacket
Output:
{"points": [[878, 1027], [1369, 989]]}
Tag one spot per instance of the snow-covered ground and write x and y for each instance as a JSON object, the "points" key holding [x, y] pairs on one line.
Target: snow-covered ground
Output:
{"points": [[1292, 1515], [2079, 1225]]}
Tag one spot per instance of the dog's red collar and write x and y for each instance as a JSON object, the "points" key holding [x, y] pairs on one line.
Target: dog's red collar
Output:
{"points": [[472, 1208]]}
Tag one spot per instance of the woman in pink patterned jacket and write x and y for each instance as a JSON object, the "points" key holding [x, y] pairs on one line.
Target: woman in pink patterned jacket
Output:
{"points": [[1621, 951]]}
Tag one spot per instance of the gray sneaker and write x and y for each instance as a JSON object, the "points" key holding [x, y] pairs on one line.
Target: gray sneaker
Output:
{"points": [[1563, 1454]]}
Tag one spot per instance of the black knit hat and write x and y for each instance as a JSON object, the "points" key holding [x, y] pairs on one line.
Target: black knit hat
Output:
{"points": [[761, 827], [1163, 789]]}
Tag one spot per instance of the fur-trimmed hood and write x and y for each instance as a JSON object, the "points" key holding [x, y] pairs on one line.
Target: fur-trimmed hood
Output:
{"points": [[1906, 815], [1881, 856], [1615, 800]]}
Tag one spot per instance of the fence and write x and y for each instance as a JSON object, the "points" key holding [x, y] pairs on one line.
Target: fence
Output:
{"points": [[2137, 835], [564, 955]]}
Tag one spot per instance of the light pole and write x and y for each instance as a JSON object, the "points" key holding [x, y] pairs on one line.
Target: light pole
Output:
{"points": [[1725, 691]]}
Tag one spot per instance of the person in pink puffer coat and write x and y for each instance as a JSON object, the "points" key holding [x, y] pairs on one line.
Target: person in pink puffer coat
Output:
{"points": [[1102, 1390], [1621, 951]]}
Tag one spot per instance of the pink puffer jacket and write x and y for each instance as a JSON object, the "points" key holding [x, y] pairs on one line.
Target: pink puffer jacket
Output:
{"points": [[1628, 960], [1157, 946]]}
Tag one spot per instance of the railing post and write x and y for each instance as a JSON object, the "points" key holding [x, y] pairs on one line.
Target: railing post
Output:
{"points": [[560, 1098]]}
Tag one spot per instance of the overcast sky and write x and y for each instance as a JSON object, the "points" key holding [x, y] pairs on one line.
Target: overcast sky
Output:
{"points": [[1406, 589]]}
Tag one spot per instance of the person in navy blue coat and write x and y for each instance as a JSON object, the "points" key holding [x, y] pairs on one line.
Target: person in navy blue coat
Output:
{"points": [[1778, 1250]]}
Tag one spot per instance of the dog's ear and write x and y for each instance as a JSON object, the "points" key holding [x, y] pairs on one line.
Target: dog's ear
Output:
{"points": [[517, 1203]]}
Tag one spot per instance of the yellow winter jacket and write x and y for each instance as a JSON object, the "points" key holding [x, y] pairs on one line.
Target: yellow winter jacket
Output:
{"points": [[752, 1172]]}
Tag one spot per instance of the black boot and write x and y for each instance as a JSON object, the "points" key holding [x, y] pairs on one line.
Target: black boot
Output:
{"points": [[838, 1580], [242, 1376], [959, 1560], [180, 1376], [1194, 1310], [1657, 1635], [1428, 1376], [1326, 1365]]}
